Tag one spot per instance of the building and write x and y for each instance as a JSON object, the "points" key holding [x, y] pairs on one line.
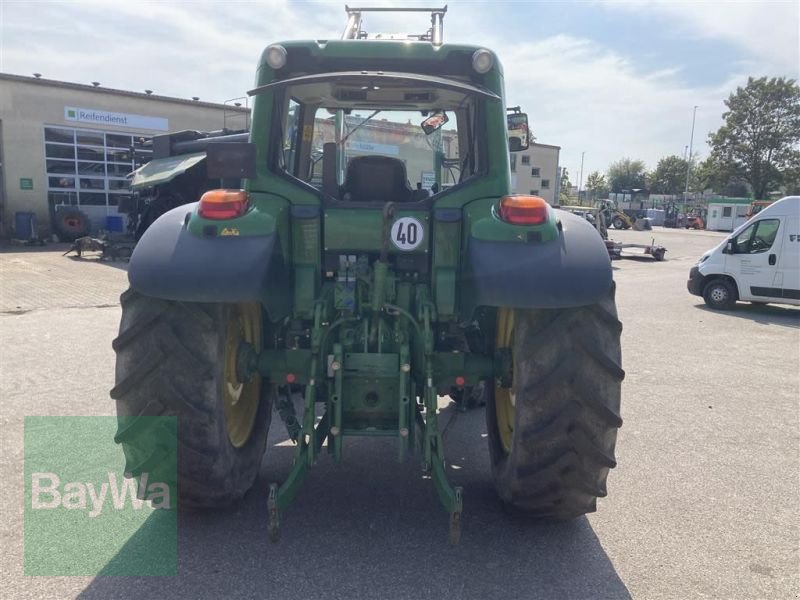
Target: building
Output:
{"points": [[69, 144], [535, 171], [726, 214]]}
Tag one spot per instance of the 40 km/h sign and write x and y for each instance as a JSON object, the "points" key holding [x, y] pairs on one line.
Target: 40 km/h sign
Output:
{"points": [[407, 233]]}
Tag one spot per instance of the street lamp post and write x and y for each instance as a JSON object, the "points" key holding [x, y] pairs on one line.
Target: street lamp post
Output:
{"points": [[689, 158], [580, 180]]}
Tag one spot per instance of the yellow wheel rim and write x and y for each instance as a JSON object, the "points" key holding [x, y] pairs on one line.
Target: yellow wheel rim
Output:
{"points": [[504, 398], [241, 399]]}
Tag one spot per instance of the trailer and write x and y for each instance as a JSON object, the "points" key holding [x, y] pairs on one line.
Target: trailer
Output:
{"points": [[620, 249]]}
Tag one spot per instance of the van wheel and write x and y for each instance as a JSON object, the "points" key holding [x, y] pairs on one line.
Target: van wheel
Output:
{"points": [[720, 294]]}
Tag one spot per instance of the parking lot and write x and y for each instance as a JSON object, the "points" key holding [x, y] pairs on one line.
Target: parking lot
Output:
{"points": [[704, 502]]}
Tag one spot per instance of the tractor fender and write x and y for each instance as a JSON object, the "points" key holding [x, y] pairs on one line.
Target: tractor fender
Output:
{"points": [[571, 270], [172, 263]]}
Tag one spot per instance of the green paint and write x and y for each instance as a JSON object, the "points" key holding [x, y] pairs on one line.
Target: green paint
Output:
{"points": [[266, 216], [378, 49], [67, 531], [491, 227], [352, 230]]}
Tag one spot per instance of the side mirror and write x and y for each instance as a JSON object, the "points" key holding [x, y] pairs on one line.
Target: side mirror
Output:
{"points": [[730, 248], [234, 160], [518, 137]]}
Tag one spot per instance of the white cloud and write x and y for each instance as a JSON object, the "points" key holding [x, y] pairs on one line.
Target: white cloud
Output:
{"points": [[587, 99], [579, 95], [766, 30], [205, 49]]}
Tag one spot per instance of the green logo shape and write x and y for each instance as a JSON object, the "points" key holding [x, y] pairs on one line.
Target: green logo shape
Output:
{"points": [[83, 516], [71, 114]]}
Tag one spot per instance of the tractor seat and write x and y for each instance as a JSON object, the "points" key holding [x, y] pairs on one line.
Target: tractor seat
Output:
{"points": [[376, 179]]}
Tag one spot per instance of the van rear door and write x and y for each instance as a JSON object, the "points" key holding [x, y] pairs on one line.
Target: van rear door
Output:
{"points": [[789, 260]]}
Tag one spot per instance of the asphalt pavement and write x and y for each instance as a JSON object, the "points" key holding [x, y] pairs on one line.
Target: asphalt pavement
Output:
{"points": [[704, 502]]}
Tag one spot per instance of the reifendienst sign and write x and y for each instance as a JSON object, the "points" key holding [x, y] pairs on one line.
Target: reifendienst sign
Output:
{"points": [[104, 117]]}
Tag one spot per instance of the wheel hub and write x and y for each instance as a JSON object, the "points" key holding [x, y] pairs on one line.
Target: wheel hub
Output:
{"points": [[246, 362], [242, 384], [504, 395]]}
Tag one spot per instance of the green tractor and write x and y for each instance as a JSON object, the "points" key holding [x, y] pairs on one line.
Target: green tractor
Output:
{"points": [[369, 259]]}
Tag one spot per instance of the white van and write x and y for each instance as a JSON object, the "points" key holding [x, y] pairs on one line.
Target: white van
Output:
{"points": [[759, 262]]}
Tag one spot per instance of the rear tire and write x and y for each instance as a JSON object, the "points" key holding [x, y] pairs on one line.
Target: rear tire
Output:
{"points": [[618, 223], [171, 361], [70, 224], [554, 461]]}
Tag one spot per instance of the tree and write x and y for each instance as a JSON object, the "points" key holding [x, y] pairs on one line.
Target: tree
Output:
{"points": [[563, 195], [669, 176], [596, 185], [791, 182], [627, 174], [757, 142], [708, 174]]}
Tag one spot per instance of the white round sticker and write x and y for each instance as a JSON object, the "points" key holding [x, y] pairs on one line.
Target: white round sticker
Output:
{"points": [[407, 233]]}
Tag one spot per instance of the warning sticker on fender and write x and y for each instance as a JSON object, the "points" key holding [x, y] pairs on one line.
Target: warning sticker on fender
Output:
{"points": [[407, 233]]}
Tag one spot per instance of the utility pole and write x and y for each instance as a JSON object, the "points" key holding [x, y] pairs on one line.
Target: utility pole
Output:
{"points": [[689, 158], [580, 180]]}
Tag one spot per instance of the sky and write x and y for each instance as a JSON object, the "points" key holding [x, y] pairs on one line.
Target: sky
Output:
{"points": [[602, 79]]}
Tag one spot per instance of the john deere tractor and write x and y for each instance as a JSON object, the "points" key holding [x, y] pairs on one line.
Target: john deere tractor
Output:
{"points": [[369, 259]]}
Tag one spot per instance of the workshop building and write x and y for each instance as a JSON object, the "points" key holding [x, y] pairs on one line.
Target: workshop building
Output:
{"points": [[69, 144]]}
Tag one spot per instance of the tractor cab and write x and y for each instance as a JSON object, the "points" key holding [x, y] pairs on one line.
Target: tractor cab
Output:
{"points": [[380, 144], [373, 146]]}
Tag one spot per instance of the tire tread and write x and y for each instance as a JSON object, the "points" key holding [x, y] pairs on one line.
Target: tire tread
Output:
{"points": [[567, 378], [169, 363]]}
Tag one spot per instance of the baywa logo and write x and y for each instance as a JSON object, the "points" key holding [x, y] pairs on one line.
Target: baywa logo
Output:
{"points": [[85, 513], [47, 494]]}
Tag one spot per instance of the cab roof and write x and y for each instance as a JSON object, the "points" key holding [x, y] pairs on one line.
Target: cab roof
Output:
{"points": [[374, 50]]}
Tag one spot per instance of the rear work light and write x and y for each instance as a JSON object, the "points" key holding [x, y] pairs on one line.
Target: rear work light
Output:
{"points": [[523, 210], [223, 204]]}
